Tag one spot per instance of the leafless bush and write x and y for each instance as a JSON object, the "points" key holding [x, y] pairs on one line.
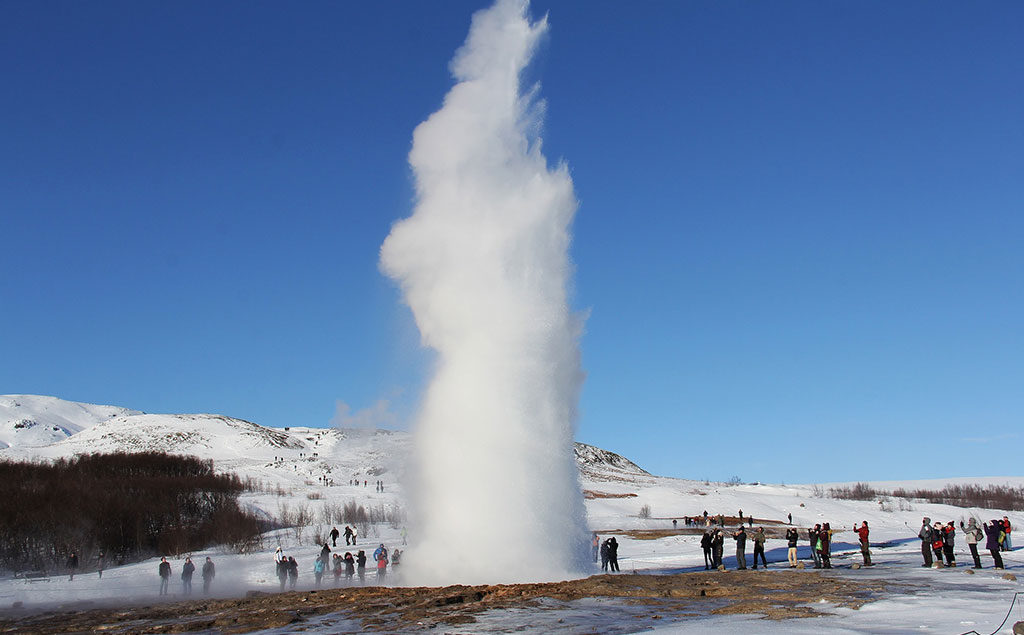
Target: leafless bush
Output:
{"points": [[817, 491], [645, 511], [859, 492]]}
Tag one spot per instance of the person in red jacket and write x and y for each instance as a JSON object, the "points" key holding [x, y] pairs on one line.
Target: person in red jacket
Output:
{"points": [[865, 547]]}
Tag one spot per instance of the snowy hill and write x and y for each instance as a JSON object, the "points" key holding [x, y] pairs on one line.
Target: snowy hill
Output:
{"points": [[33, 420], [50, 428]]}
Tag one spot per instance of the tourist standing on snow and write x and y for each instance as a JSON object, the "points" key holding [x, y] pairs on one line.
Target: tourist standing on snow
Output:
{"points": [[380, 556], [318, 571], [604, 555], [865, 546], [325, 554], [993, 533], [792, 536], [334, 536], [948, 543], [209, 572], [348, 535], [293, 572], [186, 576], [972, 534], [350, 566], [718, 546], [595, 543], [613, 554], [705, 544], [278, 556], [361, 565], [1007, 544], [72, 565], [100, 561], [938, 540], [165, 575], [926, 541], [812, 535], [825, 546], [282, 568], [741, 545], [759, 539], [337, 566], [355, 534]]}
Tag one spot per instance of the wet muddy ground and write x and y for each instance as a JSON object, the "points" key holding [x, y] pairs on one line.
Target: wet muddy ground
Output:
{"points": [[773, 594]]}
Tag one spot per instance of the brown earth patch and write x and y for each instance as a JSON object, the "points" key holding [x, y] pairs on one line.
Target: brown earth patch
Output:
{"points": [[591, 494], [775, 595]]}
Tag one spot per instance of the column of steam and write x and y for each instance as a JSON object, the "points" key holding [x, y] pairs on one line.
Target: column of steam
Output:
{"points": [[483, 264]]}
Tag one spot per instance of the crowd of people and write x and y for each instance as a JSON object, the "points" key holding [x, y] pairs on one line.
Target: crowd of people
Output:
{"points": [[348, 565], [938, 543], [939, 539], [209, 571]]}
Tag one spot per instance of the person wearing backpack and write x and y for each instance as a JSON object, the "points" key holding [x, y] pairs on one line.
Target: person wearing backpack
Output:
{"points": [[994, 535], [972, 534], [380, 556], [792, 536], [937, 542], [812, 535], [1007, 544], [948, 543], [825, 546], [926, 541]]}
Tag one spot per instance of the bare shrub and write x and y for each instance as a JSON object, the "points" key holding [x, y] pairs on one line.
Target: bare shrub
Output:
{"points": [[645, 511]]}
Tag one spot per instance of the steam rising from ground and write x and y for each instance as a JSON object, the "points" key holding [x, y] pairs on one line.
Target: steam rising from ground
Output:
{"points": [[483, 264]]}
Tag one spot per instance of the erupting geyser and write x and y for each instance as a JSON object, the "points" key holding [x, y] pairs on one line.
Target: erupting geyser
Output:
{"points": [[483, 264]]}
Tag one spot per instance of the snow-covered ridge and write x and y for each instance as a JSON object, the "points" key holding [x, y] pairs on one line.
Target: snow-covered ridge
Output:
{"points": [[34, 420], [65, 429], [591, 458]]}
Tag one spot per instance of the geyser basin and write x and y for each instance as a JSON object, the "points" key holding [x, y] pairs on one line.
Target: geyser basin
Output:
{"points": [[483, 264]]}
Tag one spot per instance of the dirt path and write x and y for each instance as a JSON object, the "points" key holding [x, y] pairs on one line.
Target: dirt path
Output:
{"points": [[774, 594]]}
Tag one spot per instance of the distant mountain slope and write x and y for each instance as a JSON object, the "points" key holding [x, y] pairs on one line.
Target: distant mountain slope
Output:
{"points": [[593, 459], [47, 427], [34, 420]]}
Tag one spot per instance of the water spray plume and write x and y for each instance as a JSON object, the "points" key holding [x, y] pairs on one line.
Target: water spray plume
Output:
{"points": [[483, 264]]}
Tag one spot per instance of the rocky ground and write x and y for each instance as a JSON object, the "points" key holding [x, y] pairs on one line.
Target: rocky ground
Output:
{"points": [[774, 594]]}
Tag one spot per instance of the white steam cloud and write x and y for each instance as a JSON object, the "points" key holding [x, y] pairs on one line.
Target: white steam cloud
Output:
{"points": [[483, 264]]}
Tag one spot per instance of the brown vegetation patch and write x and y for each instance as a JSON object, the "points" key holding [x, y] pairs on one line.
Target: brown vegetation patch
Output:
{"points": [[591, 494], [775, 595]]}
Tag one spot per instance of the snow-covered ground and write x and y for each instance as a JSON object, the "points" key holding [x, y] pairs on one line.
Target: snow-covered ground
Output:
{"points": [[293, 463]]}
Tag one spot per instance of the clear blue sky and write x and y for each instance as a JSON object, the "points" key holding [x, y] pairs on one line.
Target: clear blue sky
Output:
{"points": [[801, 231]]}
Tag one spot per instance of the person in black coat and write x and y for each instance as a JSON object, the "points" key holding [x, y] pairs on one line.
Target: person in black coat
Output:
{"points": [[209, 572], [282, 571], [613, 554], [186, 576], [361, 565], [165, 575], [705, 544], [293, 572], [72, 565], [350, 566], [992, 530], [334, 536], [604, 555]]}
